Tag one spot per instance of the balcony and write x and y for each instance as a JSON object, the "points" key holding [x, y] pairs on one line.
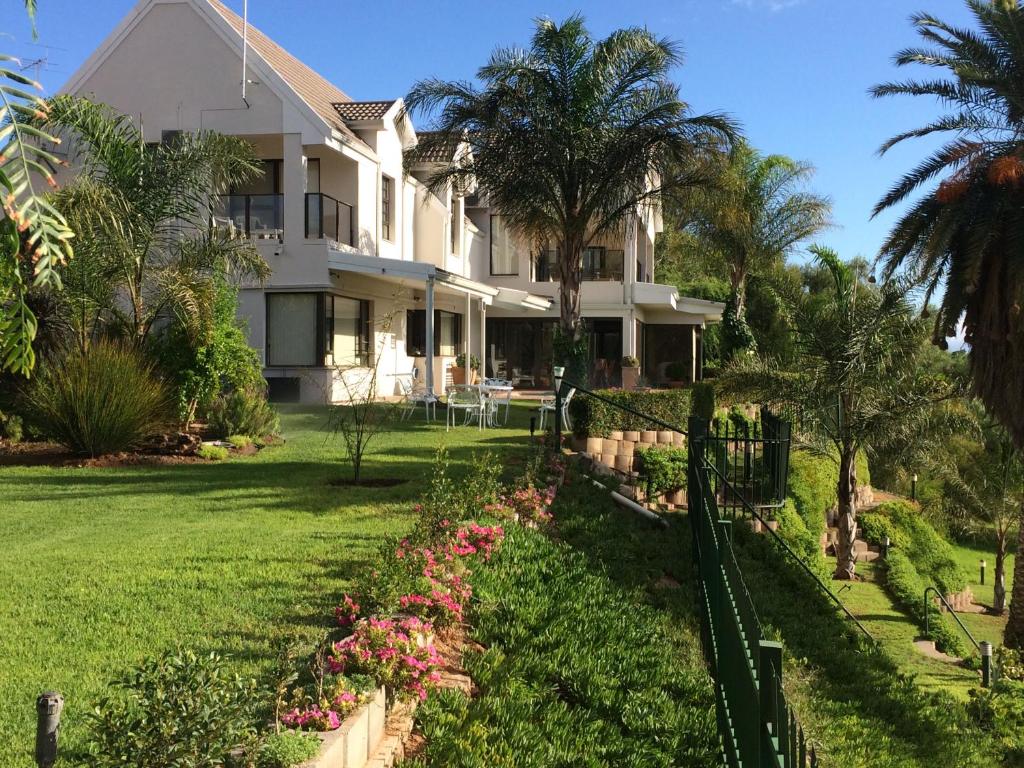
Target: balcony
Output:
{"points": [[329, 219], [599, 265], [261, 217]]}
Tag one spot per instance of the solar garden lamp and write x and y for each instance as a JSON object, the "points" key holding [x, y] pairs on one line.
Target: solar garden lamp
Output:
{"points": [[913, 487], [886, 543], [986, 663], [982, 573], [49, 705], [559, 372]]}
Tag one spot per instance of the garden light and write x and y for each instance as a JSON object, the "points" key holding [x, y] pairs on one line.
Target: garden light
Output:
{"points": [[982, 573], [913, 487], [559, 372], [986, 663], [48, 708]]}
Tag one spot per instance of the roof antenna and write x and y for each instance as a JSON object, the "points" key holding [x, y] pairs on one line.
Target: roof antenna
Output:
{"points": [[245, 47]]}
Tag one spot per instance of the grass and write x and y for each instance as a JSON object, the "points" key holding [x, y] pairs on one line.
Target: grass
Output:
{"points": [[982, 625], [102, 567]]}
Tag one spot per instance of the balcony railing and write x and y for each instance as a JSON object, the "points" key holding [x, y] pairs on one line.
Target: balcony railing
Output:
{"points": [[599, 264], [330, 219], [261, 217]]}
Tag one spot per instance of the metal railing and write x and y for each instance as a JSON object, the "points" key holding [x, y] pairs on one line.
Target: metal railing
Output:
{"points": [[330, 219], [755, 722], [258, 216], [598, 266]]}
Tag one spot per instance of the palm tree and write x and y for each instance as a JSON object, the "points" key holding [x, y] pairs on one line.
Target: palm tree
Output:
{"points": [[572, 138], [755, 214], [964, 234], [854, 382], [34, 238], [146, 249], [987, 484]]}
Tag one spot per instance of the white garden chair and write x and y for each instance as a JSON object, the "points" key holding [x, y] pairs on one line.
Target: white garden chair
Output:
{"points": [[547, 405], [469, 400], [414, 394], [499, 393]]}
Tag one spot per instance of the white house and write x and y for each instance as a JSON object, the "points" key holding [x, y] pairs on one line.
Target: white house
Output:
{"points": [[366, 261]]}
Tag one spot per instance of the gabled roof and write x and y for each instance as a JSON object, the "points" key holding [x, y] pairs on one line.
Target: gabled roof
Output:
{"points": [[438, 152], [318, 92], [359, 111]]}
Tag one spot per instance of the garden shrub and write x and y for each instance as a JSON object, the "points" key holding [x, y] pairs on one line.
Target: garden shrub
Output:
{"points": [[663, 468], [286, 749], [907, 587], [806, 543], [240, 442], [213, 452], [812, 486], [204, 368], [703, 396], [242, 412], [11, 427], [594, 418], [999, 711], [178, 710], [101, 400]]}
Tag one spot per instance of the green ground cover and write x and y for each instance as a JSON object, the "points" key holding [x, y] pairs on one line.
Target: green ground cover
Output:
{"points": [[101, 567]]}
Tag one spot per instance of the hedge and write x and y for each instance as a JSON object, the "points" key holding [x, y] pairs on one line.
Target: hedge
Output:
{"points": [[593, 418], [907, 586], [813, 481]]}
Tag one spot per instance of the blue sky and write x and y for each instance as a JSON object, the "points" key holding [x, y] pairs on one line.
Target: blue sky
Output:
{"points": [[794, 73]]}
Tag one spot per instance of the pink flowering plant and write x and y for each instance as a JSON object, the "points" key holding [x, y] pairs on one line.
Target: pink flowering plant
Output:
{"points": [[530, 505], [398, 654], [333, 698]]}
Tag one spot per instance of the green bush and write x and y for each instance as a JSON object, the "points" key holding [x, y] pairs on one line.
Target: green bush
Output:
{"points": [[677, 371], [805, 542], [11, 427], [663, 468], [594, 418], [242, 412], [931, 555], [703, 395], [812, 486], [288, 748], [222, 361], [212, 452], [240, 442], [907, 587], [179, 709], [103, 400]]}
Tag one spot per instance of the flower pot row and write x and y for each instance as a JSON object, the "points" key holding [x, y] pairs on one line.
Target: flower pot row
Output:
{"points": [[355, 741]]}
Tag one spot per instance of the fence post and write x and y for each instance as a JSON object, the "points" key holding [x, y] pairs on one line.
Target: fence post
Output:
{"points": [[769, 684]]}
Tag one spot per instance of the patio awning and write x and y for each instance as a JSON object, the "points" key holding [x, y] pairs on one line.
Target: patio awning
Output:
{"points": [[511, 298], [665, 298], [409, 271]]}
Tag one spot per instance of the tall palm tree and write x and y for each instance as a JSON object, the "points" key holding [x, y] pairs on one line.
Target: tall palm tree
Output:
{"points": [[964, 235], [572, 138], [755, 214], [34, 238], [987, 485], [146, 249], [854, 382]]}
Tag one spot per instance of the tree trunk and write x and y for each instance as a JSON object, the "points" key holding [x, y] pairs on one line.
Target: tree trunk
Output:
{"points": [[999, 585], [570, 268], [847, 519], [739, 293], [1013, 637]]}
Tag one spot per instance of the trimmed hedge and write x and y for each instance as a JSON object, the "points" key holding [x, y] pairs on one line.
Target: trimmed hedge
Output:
{"points": [[907, 587], [593, 418], [812, 486], [910, 533]]}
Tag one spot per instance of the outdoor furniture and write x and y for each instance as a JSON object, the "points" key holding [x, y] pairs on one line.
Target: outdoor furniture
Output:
{"points": [[547, 405], [518, 377], [498, 391], [414, 394], [468, 399]]}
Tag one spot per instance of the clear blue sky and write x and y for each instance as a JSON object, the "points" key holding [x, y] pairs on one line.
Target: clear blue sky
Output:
{"points": [[795, 73]]}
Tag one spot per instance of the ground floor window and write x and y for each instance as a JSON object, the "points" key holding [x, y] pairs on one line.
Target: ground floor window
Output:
{"points": [[447, 333], [295, 337], [663, 346]]}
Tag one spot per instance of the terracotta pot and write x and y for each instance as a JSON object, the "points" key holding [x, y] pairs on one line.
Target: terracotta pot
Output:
{"points": [[608, 459], [624, 463], [630, 377], [755, 525], [615, 434], [648, 437], [677, 497], [678, 439], [458, 375], [611, 446], [773, 524], [594, 445], [626, 448], [631, 436], [665, 437]]}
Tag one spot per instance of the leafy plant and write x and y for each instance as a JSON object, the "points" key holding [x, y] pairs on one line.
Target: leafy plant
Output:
{"points": [[240, 442], [177, 710], [703, 397], [35, 239], [474, 361], [213, 452], [283, 750], [592, 417], [11, 427], [677, 371], [242, 412], [663, 468], [104, 399], [630, 361]]}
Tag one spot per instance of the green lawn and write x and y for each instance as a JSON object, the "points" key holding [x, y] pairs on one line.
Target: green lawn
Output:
{"points": [[101, 567], [983, 626]]}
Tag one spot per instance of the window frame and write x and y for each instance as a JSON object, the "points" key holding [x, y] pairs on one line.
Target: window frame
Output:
{"points": [[387, 195], [414, 325], [324, 341], [494, 217]]}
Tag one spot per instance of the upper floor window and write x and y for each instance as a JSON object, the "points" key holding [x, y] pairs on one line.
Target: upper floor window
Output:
{"points": [[453, 224], [387, 196], [504, 256]]}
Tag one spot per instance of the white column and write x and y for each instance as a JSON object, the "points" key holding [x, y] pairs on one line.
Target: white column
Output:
{"points": [[468, 322], [430, 336], [293, 185], [693, 353], [483, 340]]}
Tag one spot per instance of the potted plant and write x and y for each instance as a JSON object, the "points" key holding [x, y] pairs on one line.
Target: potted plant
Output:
{"points": [[676, 373], [459, 373], [630, 372]]}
